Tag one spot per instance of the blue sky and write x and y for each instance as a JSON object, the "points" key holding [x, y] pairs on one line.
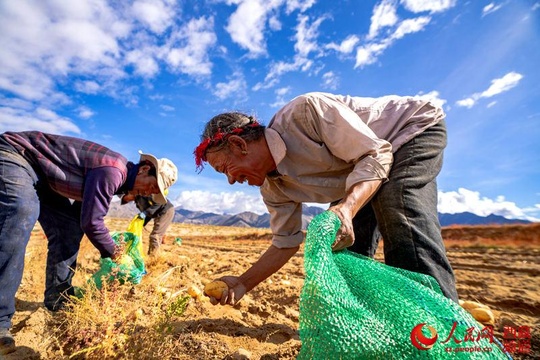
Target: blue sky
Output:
{"points": [[148, 74]]}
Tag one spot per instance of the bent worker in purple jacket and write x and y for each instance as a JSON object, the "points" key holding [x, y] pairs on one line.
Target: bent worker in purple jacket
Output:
{"points": [[66, 184]]}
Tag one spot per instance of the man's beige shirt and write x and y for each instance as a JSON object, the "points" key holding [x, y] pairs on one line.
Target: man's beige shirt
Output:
{"points": [[323, 144]]}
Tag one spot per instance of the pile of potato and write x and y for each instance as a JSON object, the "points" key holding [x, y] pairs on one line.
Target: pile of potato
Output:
{"points": [[479, 311]]}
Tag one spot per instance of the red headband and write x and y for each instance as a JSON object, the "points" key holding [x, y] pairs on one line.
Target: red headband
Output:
{"points": [[218, 137]]}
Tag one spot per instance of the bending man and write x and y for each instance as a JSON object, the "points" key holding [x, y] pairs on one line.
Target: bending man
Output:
{"points": [[375, 160], [66, 184]]}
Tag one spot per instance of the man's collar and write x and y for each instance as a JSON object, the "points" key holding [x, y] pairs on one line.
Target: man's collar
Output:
{"points": [[132, 170], [275, 144]]}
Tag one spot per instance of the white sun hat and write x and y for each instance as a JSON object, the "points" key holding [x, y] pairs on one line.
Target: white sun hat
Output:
{"points": [[166, 173]]}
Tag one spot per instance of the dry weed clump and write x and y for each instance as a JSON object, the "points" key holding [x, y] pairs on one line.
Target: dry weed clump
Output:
{"points": [[121, 321]]}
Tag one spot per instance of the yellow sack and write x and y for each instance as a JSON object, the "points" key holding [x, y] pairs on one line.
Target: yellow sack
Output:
{"points": [[130, 266], [136, 227]]}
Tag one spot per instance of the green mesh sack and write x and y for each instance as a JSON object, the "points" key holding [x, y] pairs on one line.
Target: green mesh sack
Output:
{"points": [[353, 307], [130, 267]]}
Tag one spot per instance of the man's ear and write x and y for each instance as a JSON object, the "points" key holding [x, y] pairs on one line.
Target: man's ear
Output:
{"points": [[237, 143], [144, 169]]}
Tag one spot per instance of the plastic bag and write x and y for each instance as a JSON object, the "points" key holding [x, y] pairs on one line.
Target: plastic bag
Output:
{"points": [[130, 267], [353, 307]]}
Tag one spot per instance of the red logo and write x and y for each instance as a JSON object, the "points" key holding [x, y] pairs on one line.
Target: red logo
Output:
{"points": [[420, 341]]}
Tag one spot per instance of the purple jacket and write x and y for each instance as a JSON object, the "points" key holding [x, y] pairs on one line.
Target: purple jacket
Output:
{"points": [[80, 170]]}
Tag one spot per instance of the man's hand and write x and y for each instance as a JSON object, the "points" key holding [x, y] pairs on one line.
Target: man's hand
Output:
{"points": [[357, 196], [231, 297], [119, 249], [345, 234]]}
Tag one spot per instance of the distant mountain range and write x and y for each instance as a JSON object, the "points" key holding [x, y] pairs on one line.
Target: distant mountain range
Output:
{"points": [[249, 219]]}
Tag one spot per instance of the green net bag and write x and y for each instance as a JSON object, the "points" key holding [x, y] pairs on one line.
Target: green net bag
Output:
{"points": [[130, 267], [353, 307]]}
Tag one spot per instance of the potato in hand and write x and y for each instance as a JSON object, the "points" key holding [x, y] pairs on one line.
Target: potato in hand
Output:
{"points": [[215, 289]]}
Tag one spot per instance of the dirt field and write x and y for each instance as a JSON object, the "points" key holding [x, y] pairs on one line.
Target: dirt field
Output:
{"points": [[498, 266]]}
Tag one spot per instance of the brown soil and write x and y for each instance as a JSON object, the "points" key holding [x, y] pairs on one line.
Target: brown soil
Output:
{"points": [[498, 266]]}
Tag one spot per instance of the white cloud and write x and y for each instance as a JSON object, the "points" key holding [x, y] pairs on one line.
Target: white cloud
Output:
{"points": [[301, 5], [144, 62], [497, 87], [409, 26], [306, 35], [95, 43], [190, 44], [156, 14], [330, 80], [46, 42], [432, 6], [279, 68], [503, 84], [85, 112], [346, 47], [280, 97], [490, 8], [247, 24], [87, 87], [368, 53], [432, 96], [41, 119], [465, 200], [234, 88], [468, 103], [220, 203], [384, 15], [167, 108]]}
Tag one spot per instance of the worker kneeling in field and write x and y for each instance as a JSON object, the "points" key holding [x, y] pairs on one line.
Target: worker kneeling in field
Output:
{"points": [[66, 184]]}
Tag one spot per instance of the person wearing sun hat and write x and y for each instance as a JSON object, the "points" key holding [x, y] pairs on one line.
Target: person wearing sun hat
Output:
{"points": [[156, 207], [67, 184]]}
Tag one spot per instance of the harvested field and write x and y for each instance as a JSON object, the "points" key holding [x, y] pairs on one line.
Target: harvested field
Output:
{"points": [[498, 266]]}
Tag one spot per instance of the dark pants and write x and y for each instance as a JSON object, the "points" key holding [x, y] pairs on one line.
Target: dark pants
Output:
{"points": [[23, 200], [404, 212]]}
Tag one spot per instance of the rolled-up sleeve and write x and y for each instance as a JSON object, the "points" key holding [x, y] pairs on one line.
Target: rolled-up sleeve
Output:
{"points": [[285, 220]]}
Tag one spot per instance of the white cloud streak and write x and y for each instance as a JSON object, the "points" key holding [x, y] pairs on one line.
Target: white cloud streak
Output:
{"points": [[490, 8], [433, 6], [385, 17], [497, 87], [306, 34], [465, 200]]}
